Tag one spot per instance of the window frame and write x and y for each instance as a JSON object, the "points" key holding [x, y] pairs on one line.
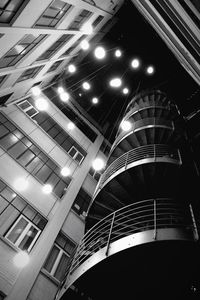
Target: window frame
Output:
{"points": [[23, 233], [28, 108], [76, 154]]}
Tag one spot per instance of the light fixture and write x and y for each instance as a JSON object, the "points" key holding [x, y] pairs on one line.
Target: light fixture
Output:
{"points": [[36, 91], [87, 28], [115, 82], [125, 125], [150, 70], [135, 63], [98, 164], [47, 189], [60, 90], [21, 259], [118, 53], [125, 91], [86, 85], [99, 52], [64, 97], [95, 100], [85, 45], [20, 184], [41, 104], [65, 171], [70, 126], [71, 68]]}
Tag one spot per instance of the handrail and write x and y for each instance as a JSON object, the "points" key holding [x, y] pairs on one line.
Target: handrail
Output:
{"points": [[137, 154], [151, 214]]}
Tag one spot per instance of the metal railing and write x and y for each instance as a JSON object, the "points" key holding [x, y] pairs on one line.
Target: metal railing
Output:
{"points": [[152, 214], [144, 123], [143, 152]]}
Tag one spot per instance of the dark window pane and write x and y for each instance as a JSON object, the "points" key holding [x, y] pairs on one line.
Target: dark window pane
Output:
{"points": [[44, 173], [17, 149], [8, 141], [62, 266], [26, 158], [28, 239], [51, 259]]}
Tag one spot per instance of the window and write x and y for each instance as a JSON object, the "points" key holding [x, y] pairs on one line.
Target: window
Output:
{"points": [[8, 9], [23, 234], [28, 155], [95, 174], [16, 53], [2, 78], [57, 45], [29, 73], [80, 19], [57, 260], [97, 21], [28, 108], [20, 223], [76, 155], [77, 43], [55, 66], [57, 133], [53, 14], [4, 99], [81, 203]]}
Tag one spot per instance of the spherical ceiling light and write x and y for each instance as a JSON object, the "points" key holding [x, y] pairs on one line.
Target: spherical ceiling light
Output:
{"points": [[36, 91], [87, 28], [70, 126], [95, 100], [98, 164], [71, 68], [86, 85], [99, 52], [125, 125], [85, 45], [150, 70], [125, 91], [135, 63], [65, 171], [41, 104], [60, 90], [21, 259], [20, 184], [115, 82], [118, 53], [64, 96], [47, 189]]}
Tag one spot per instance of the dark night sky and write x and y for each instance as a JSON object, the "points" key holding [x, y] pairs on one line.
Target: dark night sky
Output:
{"points": [[136, 38]]}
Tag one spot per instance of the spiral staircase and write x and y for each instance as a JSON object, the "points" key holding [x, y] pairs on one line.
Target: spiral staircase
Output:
{"points": [[141, 235]]}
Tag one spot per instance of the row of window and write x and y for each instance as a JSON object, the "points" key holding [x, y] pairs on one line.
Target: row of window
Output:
{"points": [[54, 130], [27, 154], [22, 225]]}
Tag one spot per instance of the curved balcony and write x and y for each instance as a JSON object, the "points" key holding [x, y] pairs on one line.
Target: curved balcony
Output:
{"points": [[135, 224], [141, 155]]}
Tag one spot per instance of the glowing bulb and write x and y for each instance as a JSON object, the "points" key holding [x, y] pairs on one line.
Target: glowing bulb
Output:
{"points": [[115, 82], [100, 52], [98, 164], [126, 125], [87, 28], [65, 171], [135, 63], [21, 259], [20, 184], [125, 91], [85, 45], [86, 85], [71, 68], [47, 189], [150, 70], [41, 104], [64, 97], [60, 90], [95, 100], [36, 91], [70, 125], [118, 53]]}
